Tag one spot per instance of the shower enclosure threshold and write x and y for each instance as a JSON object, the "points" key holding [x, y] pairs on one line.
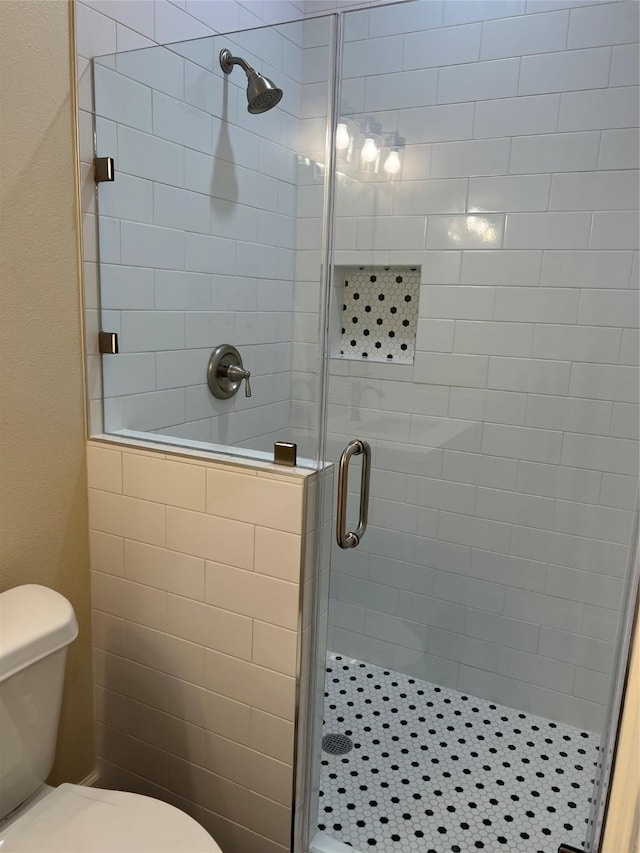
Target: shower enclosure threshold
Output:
{"points": [[323, 843], [437, 771]]}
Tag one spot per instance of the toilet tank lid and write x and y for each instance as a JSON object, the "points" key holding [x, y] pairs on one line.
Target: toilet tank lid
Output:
{"points": [[35, 621]]}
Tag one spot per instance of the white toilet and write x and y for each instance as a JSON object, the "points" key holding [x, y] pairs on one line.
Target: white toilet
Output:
{"points": [[36, 626]]}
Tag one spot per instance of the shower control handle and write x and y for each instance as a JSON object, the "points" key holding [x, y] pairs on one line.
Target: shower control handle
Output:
{"points": [[353, 538], [225, 373], [235, 373]]}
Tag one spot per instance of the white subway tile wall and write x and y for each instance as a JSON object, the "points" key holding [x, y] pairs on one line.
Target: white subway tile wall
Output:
{"points": [[196, 640], [505, 460]]}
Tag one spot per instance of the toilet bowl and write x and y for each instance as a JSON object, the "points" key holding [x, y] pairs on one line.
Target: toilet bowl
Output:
{"points": [[76, 819], [36, 626]]}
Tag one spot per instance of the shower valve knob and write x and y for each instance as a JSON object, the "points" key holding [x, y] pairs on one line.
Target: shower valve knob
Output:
{"points": [[235, 373], [225, 373]]}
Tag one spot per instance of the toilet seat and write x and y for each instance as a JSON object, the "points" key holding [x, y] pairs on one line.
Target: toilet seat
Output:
{"points": [[77, 819]]}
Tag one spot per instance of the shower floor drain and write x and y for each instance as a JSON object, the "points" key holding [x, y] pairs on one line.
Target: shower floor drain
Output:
{"points": [[337, 744]]}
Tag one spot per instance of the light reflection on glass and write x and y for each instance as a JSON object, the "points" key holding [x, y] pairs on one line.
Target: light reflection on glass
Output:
{"points": [[343, 139], [370, 150], [392, 164]]}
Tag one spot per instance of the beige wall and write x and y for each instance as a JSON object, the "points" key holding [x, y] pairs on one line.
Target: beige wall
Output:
{"points": [[43, 507], [622, 826]]}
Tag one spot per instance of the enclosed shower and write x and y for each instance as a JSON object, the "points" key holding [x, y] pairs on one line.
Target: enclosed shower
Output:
{"points": [[421, 244]]}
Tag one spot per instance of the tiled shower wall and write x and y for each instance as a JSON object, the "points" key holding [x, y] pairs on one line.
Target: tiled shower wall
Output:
{"points": [[197, 231], [197, 574], [505, 459]]}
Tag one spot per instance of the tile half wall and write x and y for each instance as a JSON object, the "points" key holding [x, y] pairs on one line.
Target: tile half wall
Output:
{"points": [[197, 572]]}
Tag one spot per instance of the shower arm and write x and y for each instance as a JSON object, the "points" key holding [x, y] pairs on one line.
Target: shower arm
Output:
{"points": [[227, 61]]}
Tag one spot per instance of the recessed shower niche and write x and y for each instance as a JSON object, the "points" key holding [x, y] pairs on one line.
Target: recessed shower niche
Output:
{"points": [[377, 313]]}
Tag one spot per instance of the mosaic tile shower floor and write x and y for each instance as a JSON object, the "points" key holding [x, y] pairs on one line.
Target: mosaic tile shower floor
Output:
{"points": [[435, 771]]}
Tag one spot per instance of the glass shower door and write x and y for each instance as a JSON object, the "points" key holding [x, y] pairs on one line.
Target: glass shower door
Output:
{"points": [[482, 339]]}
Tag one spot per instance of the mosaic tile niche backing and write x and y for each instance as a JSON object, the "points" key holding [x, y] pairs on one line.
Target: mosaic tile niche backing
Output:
{"points": [[379, 313]]}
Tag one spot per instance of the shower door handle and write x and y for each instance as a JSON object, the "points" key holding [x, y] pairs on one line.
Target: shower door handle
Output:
{"points": [[352, 539]]}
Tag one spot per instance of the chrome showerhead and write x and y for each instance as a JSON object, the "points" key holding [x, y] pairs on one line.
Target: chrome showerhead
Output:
{"points": [[262, 93]]}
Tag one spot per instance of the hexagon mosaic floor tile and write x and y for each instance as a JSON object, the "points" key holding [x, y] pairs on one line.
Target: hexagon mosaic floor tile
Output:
{"points": [[436, 771]]}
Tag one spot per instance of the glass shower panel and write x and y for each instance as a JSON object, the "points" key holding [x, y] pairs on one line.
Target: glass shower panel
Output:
{"points": [[197, 238], [484, 341]]}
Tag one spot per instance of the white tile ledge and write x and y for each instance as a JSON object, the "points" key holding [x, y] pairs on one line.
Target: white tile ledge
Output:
{"points": [[217, 455]]}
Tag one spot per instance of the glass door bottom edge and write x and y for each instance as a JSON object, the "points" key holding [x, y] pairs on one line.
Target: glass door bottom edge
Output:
{"points": [[322, 842], [433, 769]]}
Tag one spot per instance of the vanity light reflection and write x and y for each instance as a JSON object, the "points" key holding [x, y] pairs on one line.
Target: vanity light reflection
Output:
{"points": [[370, 150], [343, 139], [392, 164]]}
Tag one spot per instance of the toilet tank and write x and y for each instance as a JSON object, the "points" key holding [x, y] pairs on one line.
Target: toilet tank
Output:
{"points": [[36, 626]]}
